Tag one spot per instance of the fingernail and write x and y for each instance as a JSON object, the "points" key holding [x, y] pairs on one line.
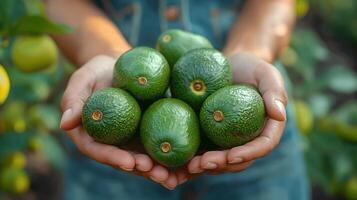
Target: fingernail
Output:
{"points": [[183, 181], [167, 187], [65, 116], [211, 165], [281, 107], [196, 171], [154, 179], [236, 160], [127, 169]]}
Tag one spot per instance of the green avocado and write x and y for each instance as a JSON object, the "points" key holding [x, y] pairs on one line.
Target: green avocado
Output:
{"points": [[143, 72], [170, 132], [111, 116], [174, 43], [199, 73], [233, 115]]}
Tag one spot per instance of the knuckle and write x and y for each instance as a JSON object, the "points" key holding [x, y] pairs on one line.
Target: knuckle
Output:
{"points": [[208, 154]]}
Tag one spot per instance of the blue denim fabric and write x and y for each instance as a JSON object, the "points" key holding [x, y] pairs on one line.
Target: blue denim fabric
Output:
{"points": [[280, 175]]}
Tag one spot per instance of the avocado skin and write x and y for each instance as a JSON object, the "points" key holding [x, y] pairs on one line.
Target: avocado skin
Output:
{"points": [[181, 42], [170, 120], [208, 65], [142, 62], [121, 116], [244, 115]]}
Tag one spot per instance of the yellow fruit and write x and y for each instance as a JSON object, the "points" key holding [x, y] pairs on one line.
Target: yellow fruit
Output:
{"points": [[351, 189], [14, 181], [301, 7], [12, 117], [347, 131], [16, 160], [304, 117], [4, 85], [19, 126], [35, 144], [32, 53]]}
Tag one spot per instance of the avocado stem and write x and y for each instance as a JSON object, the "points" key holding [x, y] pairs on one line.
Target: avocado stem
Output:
{"points": [[218, 116], [166, 38], [165, 147], [142, 80], [197, 85], [97, 115]]}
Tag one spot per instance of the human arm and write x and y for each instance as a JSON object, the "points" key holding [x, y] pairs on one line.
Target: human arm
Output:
{"points": [[95, 45], [257, 37]]}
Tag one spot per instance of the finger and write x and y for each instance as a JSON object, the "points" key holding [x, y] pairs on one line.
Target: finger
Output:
{"points": [[171, 181], [182, 176], [260, 146], [238, 167], [143, 162], [212, 160], [271, 86], [194, 166], [231, 168], [159, 174], [79, 88], [106, 154]]}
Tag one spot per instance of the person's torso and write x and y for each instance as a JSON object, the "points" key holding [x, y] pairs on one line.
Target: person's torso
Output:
{"points": [[142, 21]]}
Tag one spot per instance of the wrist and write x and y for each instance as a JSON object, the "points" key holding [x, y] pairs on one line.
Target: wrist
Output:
{"points": [[262, 53], [114, 52], [117, 51]]}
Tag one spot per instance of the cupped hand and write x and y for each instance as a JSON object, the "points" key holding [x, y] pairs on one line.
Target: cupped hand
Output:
{"points": [[248, 68], [95, 74]]}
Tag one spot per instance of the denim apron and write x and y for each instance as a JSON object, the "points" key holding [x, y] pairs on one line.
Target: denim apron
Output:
{"points": [[280, 175]]}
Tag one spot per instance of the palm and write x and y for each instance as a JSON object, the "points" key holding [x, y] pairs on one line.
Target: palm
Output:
{"points": [[250, 69], [96, 74]]}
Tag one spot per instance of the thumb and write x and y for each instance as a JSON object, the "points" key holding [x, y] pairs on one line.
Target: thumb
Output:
{"points": [[275, 105], [79, 88], [271, 86]]}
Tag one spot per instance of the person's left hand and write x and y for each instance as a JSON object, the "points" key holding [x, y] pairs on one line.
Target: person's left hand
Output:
{"points": [[248, 68]]}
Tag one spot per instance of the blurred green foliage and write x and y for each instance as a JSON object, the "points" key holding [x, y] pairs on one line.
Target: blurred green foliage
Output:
{"points": [[326, 84], [340, 18], [30, 117]]}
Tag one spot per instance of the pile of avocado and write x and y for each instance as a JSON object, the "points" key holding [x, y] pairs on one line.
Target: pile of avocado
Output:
{"points": [[176, 97]]}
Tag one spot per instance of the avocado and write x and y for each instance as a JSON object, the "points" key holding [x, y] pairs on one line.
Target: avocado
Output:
{"points": [[199, 73], [169, 131], [111, 116], [174, 43], [233, 115], [143, 72]]}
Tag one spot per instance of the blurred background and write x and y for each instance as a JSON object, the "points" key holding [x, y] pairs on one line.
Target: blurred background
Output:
{"points": [[321, 61]]}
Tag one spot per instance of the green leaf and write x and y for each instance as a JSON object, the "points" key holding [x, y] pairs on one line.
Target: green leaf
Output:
{"points": [[341, 164], [10, 142], [38, 25], [320, 104], [53, 151], [347, 112], [29, 87], [34, 7], [341, 79], [310, 49], [44, 116], [10, 11]]}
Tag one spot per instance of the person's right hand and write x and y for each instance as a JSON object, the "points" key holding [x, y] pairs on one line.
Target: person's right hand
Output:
{"points": [[95, 74]]}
